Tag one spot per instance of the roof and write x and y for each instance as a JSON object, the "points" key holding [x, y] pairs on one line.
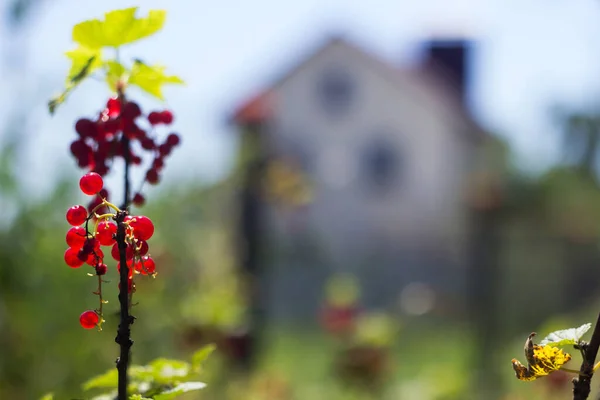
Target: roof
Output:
{"points": [[431, 77]]}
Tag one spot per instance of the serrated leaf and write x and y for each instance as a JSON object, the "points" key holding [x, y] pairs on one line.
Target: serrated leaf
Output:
{"points": [[151, 78], [84, 61], [180, 389], [115, 72], [201, 355], [118, 28], [109, 379], [565, 336], [48, 396]]}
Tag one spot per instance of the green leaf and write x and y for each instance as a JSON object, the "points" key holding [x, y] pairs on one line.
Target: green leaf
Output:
{"points": [[565, 336], [151, 78], [138, 397], [48, 396], [109, 379], [115, 72], [201, 355], [180, 389], [168, 371], [118, 28], [105, 396], [84, 61]]}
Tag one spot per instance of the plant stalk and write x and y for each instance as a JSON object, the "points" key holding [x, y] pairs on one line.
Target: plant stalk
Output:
{"points": [[582, 384]]}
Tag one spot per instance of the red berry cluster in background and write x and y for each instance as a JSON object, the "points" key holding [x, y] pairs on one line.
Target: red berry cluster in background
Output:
{"points": [[100, 141], [92, 230]]}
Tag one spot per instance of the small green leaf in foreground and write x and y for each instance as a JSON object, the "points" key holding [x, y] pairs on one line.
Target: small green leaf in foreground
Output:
{"points": [[565, 336], [180, 389], [118, 28], [151, 78], [109, 379]]}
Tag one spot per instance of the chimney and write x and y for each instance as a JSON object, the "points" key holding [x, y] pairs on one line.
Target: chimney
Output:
{"points": [[451, 60]]}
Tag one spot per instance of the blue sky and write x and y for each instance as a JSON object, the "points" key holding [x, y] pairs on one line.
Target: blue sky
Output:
{"points": [[532, 54]]}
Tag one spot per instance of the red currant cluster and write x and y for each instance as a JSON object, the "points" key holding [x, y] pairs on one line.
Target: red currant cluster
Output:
{"points": [[100, 141], [90, 231]]}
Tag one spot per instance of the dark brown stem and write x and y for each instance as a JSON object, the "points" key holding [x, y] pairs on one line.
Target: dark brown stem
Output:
{"points": [[124, 332], [582, 384]]}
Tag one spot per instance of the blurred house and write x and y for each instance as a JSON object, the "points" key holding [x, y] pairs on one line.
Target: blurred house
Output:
{"points": [[389, 152]]}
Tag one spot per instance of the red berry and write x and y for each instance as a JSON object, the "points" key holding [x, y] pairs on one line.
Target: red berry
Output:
{"points": [[173, 139], [91, 183], [101, 269], [164, 150], [142, 247], [138, 199], [143, 228], [76, 237], [152, 176], [105, 233], [114, 252], [113, 106], [158, 163], [89, 319], [85, 128], [148, 144], [146, 266], [154, 118], [72, 259], [166, 117], [130, 271], [131, 110], [76, 215], [103, 193]]}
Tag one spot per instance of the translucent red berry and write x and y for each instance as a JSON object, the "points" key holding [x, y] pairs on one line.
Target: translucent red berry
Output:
{"points": [[89, 319], [105, 233], [72, 259], [157, 164], [101, 269], [76, 237], [154, 118], [76, 215], [142, 247], [143, 228], [138, 199], [173, 139], [91, 183], [114, 252], [166, 117], [113, 106], [145, 266], [130, 272]]}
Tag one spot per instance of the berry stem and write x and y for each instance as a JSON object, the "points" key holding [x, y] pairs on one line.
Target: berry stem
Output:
{"points": [[124, 332]]}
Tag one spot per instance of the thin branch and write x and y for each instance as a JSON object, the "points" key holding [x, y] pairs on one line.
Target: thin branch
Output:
{"points": [[582, 385]]}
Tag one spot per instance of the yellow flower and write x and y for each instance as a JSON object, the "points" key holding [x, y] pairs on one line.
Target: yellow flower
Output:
{"points": [[541, 360]]}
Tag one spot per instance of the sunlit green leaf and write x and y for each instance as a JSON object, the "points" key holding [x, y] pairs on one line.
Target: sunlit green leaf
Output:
{"points": [[565, 336], [138, 397], [118, 28], [168, 371], [115, 72], [83, 62], [180, 389], [109, 379], [151, 78], [105, 396], [201, 355], [48, 396]]}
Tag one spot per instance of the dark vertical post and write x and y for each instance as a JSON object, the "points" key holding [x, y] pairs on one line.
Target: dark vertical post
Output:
{"points": [[483, 291], [250, 245]]}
